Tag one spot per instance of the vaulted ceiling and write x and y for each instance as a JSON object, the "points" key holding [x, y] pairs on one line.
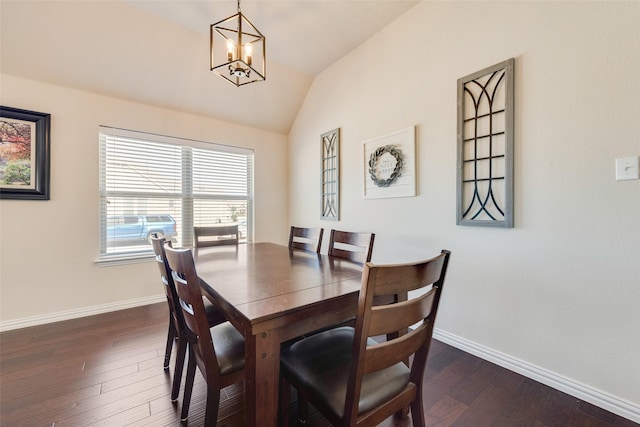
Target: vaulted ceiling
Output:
{"points": [[157, 52]]}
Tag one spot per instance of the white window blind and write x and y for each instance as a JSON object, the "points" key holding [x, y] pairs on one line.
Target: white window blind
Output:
{"points": [[152, 183]]}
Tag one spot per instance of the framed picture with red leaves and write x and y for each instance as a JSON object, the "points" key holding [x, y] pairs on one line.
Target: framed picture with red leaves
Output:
{"points": [[24, 154]]}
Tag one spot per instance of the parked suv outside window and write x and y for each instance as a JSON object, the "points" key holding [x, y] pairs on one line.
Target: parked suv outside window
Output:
{"points": [[131, 228]]}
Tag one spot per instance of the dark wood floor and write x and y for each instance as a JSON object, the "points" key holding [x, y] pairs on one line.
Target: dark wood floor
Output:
{"points": [[107, 370]]}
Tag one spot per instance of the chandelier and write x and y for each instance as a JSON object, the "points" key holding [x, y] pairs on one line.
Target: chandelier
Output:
{"points": [[238, 50]]}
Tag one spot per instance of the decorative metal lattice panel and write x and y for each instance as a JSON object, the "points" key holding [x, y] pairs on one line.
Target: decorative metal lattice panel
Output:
{"points": [[485, 147], [331, 175]]}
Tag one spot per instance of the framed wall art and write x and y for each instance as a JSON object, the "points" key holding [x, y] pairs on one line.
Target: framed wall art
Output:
{"points": [[24, 154], [485, 147], [389, 165], [330, 191]]}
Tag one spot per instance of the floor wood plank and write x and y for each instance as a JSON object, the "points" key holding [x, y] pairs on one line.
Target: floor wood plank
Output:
{"points": [[106, 370]]}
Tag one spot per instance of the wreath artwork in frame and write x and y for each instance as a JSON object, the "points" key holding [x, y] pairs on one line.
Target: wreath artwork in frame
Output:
{"points": [[24, 154], [389, 165], [485, 147]]}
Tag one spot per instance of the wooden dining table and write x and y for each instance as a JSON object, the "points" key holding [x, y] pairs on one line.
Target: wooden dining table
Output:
{"points": [[273, 294]]}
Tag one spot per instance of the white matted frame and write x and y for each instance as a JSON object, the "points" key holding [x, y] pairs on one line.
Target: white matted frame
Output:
{"points": [[390, 165]]}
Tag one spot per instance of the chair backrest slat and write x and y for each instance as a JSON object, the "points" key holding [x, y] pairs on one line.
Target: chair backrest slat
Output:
{"points": [[390, 353], [395, 317], [216, 235], [391, 281]]}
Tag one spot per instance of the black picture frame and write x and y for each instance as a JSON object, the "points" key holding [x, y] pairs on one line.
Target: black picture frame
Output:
{"points": [[39, 171]]}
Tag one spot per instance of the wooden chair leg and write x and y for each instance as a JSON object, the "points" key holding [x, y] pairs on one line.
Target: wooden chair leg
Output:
{"points": [[284, 401], [188, 386], [213, 402], [417, 412], [171, 336], [177, 372]]}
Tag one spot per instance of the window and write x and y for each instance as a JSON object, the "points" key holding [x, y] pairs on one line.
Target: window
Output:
{"points": [[151, 183]]}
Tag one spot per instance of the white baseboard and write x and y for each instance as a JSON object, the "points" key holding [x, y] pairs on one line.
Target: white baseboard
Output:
{"points": [[81, 312], [596, 397]]}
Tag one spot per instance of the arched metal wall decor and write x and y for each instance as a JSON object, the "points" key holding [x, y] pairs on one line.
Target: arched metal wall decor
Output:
{"points": [[331, 175], [485, 147]]}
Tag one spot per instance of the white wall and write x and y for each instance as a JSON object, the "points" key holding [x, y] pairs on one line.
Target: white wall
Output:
{"points": [[48, 248], [560, 291]]}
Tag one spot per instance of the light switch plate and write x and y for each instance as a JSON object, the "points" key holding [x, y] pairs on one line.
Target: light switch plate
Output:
{"points": [[627, 168]]}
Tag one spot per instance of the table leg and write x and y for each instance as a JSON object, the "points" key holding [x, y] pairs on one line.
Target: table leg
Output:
{"points": [[262, 371]]}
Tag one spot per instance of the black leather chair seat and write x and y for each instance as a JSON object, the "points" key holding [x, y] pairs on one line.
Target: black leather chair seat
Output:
{"points": [[321, 364], [229, 347]]}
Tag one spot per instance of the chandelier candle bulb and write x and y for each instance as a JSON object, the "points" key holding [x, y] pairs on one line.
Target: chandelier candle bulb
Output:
{"points": [[248, 51], [230, 49]]}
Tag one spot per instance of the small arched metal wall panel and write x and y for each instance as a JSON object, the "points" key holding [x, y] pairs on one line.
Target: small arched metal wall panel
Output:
{"points": [[485, 147], [330, 190]]}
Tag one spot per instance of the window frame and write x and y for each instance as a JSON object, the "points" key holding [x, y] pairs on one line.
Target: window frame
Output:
{"points": [[185, 195]]}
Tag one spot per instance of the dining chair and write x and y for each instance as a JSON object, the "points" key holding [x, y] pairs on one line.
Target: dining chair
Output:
{"points": [[353, 379], [356, 247], [215, 235], [177, 327], [218, 352], [308, 239]]}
